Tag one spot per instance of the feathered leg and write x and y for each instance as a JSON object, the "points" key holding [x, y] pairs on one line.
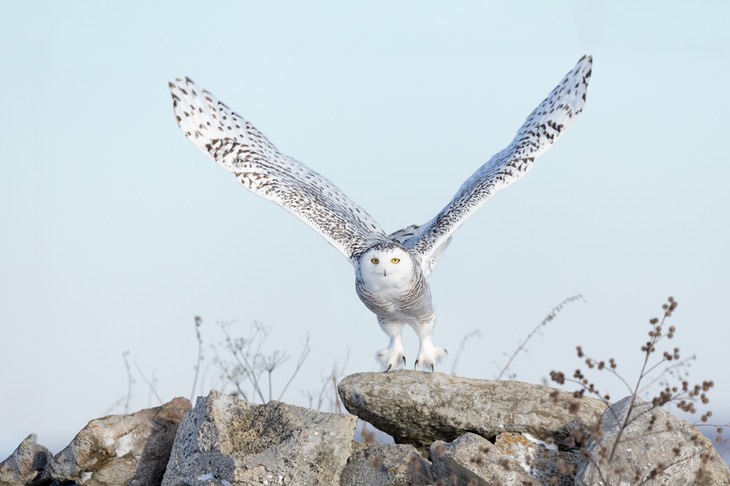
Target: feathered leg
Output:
{"points": [[428, 354], [394, 356]]}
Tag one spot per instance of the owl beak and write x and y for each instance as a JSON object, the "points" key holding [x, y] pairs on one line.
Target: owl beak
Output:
{"points": [[385, 272]]}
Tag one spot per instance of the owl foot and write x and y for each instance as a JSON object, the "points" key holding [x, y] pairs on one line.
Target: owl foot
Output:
{"points": [[391, 358], [428, 356]]}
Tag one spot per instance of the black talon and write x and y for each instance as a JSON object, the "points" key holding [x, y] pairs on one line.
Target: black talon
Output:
{"points": [[404, 361], [432, 368], [415, 365], [389, 367]]}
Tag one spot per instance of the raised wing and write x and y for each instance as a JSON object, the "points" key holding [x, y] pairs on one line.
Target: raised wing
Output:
{"points": [[241, 149], [541, 129]]}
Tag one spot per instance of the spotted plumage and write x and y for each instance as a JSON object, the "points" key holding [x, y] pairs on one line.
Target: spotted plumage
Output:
{"points": [[390, 270]]}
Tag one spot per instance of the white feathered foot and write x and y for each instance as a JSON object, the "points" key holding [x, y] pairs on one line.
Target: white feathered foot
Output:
{"points": [[394, 356], [428, 354]]}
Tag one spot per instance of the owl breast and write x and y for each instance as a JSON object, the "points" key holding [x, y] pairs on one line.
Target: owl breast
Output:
{"points": [[391, 284]]}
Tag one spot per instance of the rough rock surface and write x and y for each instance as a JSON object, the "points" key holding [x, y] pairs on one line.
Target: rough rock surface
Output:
{"points": [[225, 440], [418, 408], [28, 464], [502, 439], [386, 465], [122, 449], [472, 459], [648, 442], [547, 466]]}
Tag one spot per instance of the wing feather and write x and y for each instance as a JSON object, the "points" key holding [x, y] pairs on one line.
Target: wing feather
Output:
{"points": [[240, 148], [541, 129]]}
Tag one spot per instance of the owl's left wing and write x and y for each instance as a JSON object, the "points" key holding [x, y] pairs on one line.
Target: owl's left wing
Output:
{"points": [[241, 149], [541, 129]]}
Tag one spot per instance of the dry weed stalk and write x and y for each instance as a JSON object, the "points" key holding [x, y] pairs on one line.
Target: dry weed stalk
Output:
{"points": [[682, 394]]}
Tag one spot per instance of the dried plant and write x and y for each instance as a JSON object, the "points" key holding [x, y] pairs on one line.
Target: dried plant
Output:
{"points": [[127, 398], [327, 394], [468, 337], [506, 371], [665, 367], [248, 365], [199, 337]]}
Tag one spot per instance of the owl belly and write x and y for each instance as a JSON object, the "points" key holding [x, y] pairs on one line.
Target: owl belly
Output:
{"points": [[397, 300]]}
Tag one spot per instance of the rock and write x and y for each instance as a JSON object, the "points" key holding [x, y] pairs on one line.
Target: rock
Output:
{"points": [[542, 462], [418, 408], [386, 465], [122, 449], [474, 460], [647, 446], [225, 440], [28, 464]]}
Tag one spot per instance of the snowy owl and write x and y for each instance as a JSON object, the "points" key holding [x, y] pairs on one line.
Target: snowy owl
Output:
{"points": [[390, 270]]}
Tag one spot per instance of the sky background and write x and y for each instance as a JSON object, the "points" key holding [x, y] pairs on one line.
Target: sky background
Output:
{"points": [[117, 231]]}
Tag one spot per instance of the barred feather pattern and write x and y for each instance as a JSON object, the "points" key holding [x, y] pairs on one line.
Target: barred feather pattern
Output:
{"points": [[541, 130], [390, 270], [240, 148]]}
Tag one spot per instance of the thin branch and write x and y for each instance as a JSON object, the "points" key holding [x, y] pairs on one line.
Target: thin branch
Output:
{"points": [[130, 381], [551, 315], [150, 383], [300, 361], [474, 334], [199, 337]]}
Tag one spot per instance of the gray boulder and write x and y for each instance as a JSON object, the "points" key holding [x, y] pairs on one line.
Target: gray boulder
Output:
{"points": [[226, 440], [653, 444], [122, 449], [473, 460], [386, 465], [543, 462], [28, 464], [418, 408]]}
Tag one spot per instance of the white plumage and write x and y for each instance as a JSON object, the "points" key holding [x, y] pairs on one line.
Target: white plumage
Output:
{"points": [[390, 270]]}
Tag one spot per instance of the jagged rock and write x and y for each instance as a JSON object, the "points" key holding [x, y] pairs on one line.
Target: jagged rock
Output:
{"points": [[419, 408], [226, 440], [474, 460], [28, 464], [542, 462], [385, 465], [647, 446], [122, 449]]}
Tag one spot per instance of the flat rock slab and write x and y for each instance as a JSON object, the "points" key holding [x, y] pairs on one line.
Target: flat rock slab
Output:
{"points": [[228, 441], [419, 408]]}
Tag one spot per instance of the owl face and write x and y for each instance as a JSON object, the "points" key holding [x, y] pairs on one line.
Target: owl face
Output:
{"points": [[389, 267]]}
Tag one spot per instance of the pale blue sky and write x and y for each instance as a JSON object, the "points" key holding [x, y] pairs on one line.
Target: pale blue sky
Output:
{"points": [[116, 231]]}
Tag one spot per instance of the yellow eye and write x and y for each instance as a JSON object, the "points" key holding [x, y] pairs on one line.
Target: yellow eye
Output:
{"points": [[395, 260], [374, 261]]}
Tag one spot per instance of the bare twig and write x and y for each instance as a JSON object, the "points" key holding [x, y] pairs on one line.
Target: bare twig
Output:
{"points": [[199, 337], [474, 334], [130, 381], [300, 362], [151, 384], [551, 315]]}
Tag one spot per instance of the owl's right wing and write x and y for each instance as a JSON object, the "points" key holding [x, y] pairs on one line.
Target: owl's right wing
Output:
{"points": [[539, 132], [241, 149]]}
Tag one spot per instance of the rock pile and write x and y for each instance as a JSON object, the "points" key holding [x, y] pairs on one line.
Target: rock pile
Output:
{"points": [[448, 430]]}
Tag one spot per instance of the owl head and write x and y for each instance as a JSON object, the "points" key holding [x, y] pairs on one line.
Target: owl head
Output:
{"points": [[387, 266]]}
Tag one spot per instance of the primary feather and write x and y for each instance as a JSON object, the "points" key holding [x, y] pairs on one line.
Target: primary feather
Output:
{"points": [[540, 131], [240, 148]]}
